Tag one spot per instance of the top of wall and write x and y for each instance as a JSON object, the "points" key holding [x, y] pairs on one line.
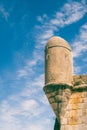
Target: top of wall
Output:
{"points": [[80, 82], [79, 79]]}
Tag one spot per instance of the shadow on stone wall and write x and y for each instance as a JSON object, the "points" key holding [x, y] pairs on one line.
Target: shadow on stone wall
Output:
{"points": [[57, 125]]}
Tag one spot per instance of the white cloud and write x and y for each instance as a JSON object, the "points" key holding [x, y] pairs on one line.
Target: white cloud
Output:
{"points": [[25, 113], [44, 100], [47, 34], [85, 59], [22, 73], [26, 103], [77, 69], [29, 68], [80, 42], [39, 81], [84, 1], [29, 105], [42, 18], [79, 47], [70, 13], [7, 113], [39, 18], [33, 87], [4, 13]]}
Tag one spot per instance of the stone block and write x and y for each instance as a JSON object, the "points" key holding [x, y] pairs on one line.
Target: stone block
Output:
{"points": [[48, 95], [69, 106], [85, 105], [82, 127], [60, 98], [68, 127], [84, 119], [54, 106], [85, 99], [64, 121], [80, 105], [67, 93], [67, 114], [79, 113], [74, 106], [76, 100], [51, 100], [84, 112], [73, 120], [76, 95]]}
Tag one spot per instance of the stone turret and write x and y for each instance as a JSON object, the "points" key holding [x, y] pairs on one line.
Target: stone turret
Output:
{"points": [[67, 94], [58, 62]]}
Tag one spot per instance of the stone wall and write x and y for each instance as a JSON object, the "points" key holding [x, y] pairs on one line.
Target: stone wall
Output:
{"points": [[69, 103], [75, 117], [67, 94]]}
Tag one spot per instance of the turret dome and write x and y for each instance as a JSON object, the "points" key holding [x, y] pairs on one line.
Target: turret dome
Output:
{"points": [[57, 41]]}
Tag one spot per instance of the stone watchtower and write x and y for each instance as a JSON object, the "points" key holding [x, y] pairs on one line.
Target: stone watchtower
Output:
{"points": [[66, 93]]}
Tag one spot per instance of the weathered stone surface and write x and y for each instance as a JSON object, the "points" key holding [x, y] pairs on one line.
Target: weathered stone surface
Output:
{"points": [[64, 121], [54, 106], [51, 100], [72, 113], [58, 62], [67, 94], [79, 80], [76, 112]]}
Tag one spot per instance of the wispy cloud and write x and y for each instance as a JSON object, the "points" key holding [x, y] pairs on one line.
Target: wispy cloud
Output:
{"points": [[80, 42], [42, 18], [29, 68], [77, 69], [79, 47], [4, 13], [33, 87], [22, 73], [70, 13], [18, 111]]}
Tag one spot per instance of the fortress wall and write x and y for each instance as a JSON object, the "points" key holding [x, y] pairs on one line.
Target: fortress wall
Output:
{"points": [[67, 94], [69, 103], [75, 117]]}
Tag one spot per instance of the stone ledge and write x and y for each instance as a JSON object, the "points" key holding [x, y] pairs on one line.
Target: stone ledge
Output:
{"points": [[54, 87], [79, 79], [80, 88]]}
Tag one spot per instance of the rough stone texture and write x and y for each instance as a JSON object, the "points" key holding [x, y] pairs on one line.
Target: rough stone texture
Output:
{"points": [[67, 94], [79, 80], [58, 96], [69, 104], [75, 117], [58, 62]]}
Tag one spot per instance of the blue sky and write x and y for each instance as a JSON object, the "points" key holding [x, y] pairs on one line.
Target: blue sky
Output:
{"points": [[25, 27]]}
